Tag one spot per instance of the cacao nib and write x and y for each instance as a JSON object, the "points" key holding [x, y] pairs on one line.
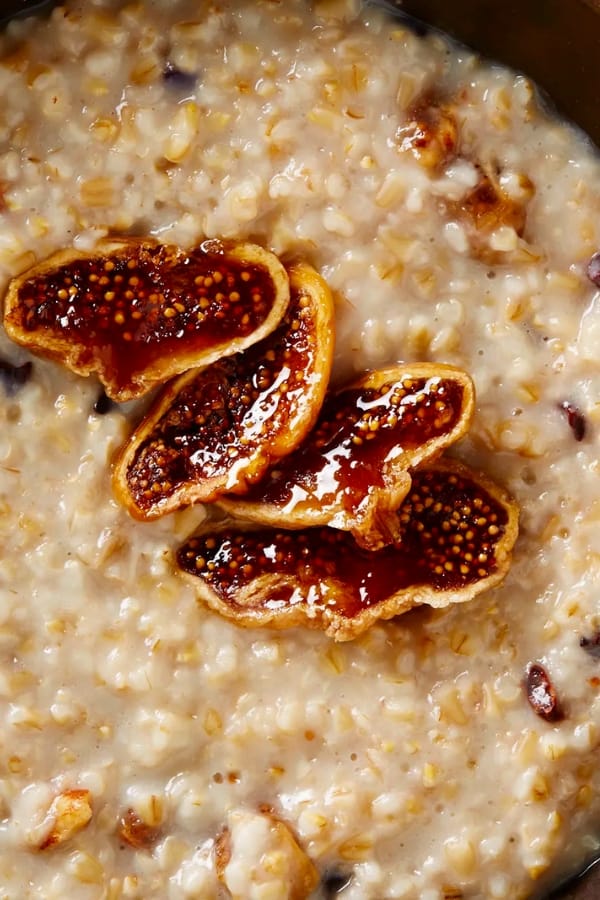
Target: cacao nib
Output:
{"points": [[541, 693], [184, 81], [593, 269], [104, 404], [591, 645], [576, 420], [335, 882], [14, 377]]}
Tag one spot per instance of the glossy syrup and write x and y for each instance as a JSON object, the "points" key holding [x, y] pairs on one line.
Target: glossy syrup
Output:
{"points": [[359, 434], [228, 411], [144, 303], [450, 530]]}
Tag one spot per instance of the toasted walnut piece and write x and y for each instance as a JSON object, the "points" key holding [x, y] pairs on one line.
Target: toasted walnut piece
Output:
{"points": [[220, 429], [68, 813], [137, 312], [456, 533], [352, 471], [488, 206], [257, 855], [431, 133], [485, 210], [134, 831]]}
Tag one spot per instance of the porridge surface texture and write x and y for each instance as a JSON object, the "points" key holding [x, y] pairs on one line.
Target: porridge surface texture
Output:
{"points": [[409, 762]]}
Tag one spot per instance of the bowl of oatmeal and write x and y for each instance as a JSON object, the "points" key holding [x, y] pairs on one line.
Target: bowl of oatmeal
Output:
{"points": [[154, 748]]}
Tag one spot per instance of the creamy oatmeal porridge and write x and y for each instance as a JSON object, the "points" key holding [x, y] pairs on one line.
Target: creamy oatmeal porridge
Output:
{"points": [[454, 224]]}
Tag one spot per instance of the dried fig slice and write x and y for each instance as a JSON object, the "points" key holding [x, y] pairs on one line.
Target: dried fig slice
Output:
{"points": [[219, 429], [456, 533], [352, 472], [137, 312]]}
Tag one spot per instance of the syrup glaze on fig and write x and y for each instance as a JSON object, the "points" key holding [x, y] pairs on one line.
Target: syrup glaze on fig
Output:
{"points": [[366, 439], [220, 428], [136, 309], [456, 531]]}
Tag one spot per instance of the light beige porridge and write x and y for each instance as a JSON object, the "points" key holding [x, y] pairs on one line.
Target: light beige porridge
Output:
{"points": [[408, 763]]}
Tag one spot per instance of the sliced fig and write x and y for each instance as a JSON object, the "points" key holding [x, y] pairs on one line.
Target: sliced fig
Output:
{"points": [[352, 471], [456, 531], [220, 429], [137, 312]]}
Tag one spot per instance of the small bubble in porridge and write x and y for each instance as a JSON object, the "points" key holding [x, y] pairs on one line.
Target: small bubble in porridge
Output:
{"points": [[299, 483]]}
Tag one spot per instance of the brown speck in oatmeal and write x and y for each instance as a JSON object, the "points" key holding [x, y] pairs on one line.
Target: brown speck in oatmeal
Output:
{"points": [[576, 420], [14, 377], [542, 694], [135, 832], [591, 645], [593, 269]]}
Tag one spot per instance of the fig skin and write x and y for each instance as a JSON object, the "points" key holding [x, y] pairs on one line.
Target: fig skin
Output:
{"points": [[457, 530], [136, 312], [354, 469], [220, 429]]}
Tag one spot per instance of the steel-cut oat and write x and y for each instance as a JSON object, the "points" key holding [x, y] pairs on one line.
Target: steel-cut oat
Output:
{"points": [[455, 224]]}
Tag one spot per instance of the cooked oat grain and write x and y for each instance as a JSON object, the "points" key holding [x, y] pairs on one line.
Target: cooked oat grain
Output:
{"points": [[409, 759]]}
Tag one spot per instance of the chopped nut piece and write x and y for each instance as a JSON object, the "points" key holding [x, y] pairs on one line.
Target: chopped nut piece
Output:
{"points": [[135, 832], [430, 135], [257, 853], [69, 813], [220, 429], [456, 534], [485, 211], [541, 694], [487, 206], [137, 312], [352, 472]]}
